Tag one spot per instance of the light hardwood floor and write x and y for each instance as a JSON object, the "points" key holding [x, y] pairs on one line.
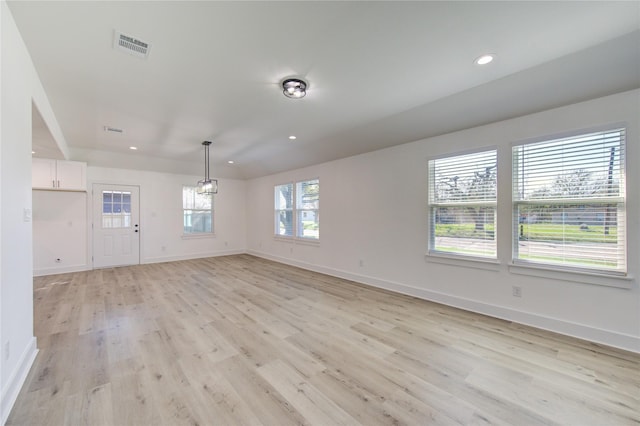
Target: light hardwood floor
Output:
{"points": [[241, 340]]}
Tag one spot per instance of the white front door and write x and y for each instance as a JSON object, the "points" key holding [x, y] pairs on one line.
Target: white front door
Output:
{"points": [[116, 225]]}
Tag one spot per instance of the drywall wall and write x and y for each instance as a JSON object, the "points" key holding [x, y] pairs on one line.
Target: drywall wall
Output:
{"points": [[62, 221], [59, 232], [373, 229], [21, 91], [161, 216]]}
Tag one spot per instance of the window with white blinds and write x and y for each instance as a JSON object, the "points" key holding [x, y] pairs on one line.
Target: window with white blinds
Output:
{"points": [[569, 202], [462, 204], [297, 210]]}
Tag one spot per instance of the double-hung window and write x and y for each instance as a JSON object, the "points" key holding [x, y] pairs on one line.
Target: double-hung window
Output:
{"points": [[197, 211], [569, 202], [297, 209], [462, 204]]}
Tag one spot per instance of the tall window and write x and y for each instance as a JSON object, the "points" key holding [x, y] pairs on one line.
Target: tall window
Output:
{"points": [[197, 211], [297, 209], [308, 204], [284, 210], [569, 202], [462, 204]]}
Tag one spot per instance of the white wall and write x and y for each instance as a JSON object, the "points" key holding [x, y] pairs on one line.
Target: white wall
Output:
{"points": [[59, 232], [161, 237], [67, 216], [21, 88], [373, 208]]}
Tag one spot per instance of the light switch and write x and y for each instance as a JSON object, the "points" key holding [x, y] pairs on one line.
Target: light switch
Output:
{"points": [[26, 216]]}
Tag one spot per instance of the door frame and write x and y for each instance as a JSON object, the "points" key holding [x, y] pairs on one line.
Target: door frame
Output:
{"points": [[90, 217]]}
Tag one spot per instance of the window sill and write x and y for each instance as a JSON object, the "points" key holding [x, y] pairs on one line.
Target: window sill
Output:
{"points": [[297, 240], [582, 277], [464, 261], [198, 236]]}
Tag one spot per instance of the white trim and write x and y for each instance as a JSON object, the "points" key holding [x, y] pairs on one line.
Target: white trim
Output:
{"points": [[197, 235], [64, 270], [432, 205], [17, 379], [297, 240], [294, 213], [582, 277], [580, 331], [161, 259], [564, 270], [475, 262]]}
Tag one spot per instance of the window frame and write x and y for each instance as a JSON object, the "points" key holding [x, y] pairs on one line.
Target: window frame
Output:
{"points": [[278, 210], [432, 205], [296, 209], [197, 234], [520, 265]]}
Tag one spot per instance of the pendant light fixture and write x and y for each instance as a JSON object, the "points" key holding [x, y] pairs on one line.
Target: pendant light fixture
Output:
{"points": [[207, 185]]}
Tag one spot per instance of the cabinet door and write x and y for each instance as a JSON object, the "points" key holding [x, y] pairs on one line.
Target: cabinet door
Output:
{"points": [[43, 173], [71, 175]]}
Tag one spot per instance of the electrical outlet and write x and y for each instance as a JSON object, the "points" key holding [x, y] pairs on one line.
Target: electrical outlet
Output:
{"points": [[517, 291], [7, 350]]}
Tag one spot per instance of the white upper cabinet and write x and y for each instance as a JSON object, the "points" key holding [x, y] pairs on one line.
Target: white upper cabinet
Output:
{"points": [[59, 175]]}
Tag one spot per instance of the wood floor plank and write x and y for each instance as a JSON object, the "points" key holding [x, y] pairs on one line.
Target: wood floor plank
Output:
{"points": [[247, 341]]}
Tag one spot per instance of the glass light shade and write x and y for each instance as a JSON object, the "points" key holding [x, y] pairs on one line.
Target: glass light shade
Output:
{"points": [[294, 88], [208, 186]]}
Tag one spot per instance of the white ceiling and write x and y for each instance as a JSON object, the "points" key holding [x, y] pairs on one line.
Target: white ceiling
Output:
{"points": [[380, 74]]}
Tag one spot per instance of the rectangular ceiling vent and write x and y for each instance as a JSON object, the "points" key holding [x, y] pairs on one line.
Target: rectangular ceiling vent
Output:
{"points": [[131, 45], [112, 129]]}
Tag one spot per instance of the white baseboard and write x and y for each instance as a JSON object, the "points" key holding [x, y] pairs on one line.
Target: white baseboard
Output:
{"points": [[60, 270], [17, 378], [596, 335], [160, 259]]}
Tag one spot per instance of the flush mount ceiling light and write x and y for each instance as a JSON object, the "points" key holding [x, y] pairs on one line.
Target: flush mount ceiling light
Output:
{"points": [[485, 59], [292, 137], [207, 186], [294, 88]]}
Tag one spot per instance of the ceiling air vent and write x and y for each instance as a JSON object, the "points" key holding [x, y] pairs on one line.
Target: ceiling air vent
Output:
{"points": [[131, 45], [110, 129]]}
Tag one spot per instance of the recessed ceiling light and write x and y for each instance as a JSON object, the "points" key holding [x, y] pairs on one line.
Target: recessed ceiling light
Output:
{"points": [[485, 59], [230, 161], [133, 147], [292, 137], [33, 152]]}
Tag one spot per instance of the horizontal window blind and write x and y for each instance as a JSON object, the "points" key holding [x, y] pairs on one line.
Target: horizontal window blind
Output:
{"points": [[462, 204], [569, 202]]}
